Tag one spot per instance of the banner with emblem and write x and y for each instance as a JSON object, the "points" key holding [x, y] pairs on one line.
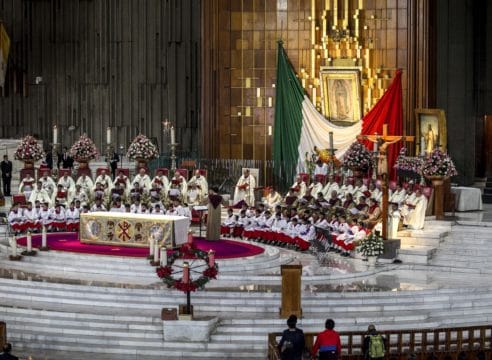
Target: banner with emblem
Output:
{"points": [[134, 230]]}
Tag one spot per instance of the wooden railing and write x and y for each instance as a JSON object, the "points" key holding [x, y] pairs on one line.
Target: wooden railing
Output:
{"points": [[441, 343]]}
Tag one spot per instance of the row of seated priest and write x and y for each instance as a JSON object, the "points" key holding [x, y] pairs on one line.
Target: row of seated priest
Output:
{"points": [[141, 187]]}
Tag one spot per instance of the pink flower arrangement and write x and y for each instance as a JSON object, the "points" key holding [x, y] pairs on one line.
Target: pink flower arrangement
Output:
{"points": [[84, 149], [438, 163], [408, 163], [357, 157], [142, 148], [29, 149]]}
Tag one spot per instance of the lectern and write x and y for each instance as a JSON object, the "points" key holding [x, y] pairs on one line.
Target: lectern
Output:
{"points": [[291, 291]]}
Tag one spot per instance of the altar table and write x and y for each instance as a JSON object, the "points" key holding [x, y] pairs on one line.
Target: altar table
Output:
{"points": [[134, 230], [467, 198]]}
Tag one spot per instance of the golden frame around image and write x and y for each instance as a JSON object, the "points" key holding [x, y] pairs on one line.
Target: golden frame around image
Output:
{"points": [[341, 95], [430, 130]]}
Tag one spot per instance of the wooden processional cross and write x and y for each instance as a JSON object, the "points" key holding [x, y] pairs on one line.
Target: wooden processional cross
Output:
{"points": [[383, 142]]}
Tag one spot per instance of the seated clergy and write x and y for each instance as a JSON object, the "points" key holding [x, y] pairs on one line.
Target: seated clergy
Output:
{"points": [[181, 183], [299, 187], [414, 211], [67, 183], [39, 194], [60, 196], [48, 183], [26, 186], [244, 190], [80, 195], [104, 179], [143, 180], [194, 195], [272, 199], [200, 182], [86, 183], [123, 181], [161, 181]]}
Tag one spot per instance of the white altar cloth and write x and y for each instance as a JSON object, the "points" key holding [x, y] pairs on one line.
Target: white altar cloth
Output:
{"points": [[467, 198]]}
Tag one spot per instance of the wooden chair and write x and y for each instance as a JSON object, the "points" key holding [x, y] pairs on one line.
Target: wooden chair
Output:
{"points": [[304, 177], [203, 172], [125, 171], [320, 178], [42, 170], [24, 172], [183, 172], [19, 199], [100, 170], [62, 172]]}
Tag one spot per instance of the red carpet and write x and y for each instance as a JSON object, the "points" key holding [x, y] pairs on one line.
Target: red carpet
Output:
{"points": [[224, 249]]}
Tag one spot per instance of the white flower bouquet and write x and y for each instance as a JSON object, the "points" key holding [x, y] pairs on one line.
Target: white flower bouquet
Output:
{"points": [[142, 148], [29, 149], [372, 245], [84, 149]]}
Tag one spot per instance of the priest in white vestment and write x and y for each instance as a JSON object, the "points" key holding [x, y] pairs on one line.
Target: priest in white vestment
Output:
{"points": [[39, 194], [245, 188], [414, 216], [105, 180], [200, 182], [143, 180], [85, 183]]}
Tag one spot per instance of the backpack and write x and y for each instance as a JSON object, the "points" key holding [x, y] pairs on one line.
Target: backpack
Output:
{"points": [[376, 346]]}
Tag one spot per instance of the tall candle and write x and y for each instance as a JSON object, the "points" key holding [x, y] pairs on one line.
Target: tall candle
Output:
{"points": [[331, 140], [156, 252], [248, 82], [13, 245], [55, 134], [258, 92], [335, 13], [163, 256], [270, 102], [211, 258], [108, 135], [186, 273], [173, 136], [151, 246], [314, 95], [43, 237], [29, 242], [345, 14]]}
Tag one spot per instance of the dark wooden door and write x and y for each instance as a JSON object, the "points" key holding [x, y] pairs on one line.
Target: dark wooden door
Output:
{"points": [[488, 145]]}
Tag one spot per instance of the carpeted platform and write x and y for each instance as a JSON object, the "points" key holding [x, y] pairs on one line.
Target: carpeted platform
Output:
{"points": [[224, 249]]}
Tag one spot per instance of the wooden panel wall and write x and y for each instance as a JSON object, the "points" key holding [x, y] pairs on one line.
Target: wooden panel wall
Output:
{"points": [[128, 64], [239, 43]]}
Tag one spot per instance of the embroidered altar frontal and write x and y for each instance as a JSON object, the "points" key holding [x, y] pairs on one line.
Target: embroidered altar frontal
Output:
{"points": [[136, 230]]}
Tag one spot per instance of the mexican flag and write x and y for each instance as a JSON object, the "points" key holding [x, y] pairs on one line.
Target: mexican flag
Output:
{"points": [[299, 127], [4, 53]]}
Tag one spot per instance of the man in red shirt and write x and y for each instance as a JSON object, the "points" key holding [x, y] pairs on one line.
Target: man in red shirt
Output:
{"points": [[328, 343]]}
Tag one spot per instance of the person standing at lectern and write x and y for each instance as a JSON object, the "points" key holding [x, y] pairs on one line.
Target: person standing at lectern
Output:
{"points": [[214, 214], [6, 167]]}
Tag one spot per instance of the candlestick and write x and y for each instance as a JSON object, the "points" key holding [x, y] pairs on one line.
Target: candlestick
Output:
{"points": [[55, 134], [186, 273], [331, 141], [29, 242], [173, 135], [13, 245], [163, 256], [211, 258], [156, 252], [151, 246], [108, 135], [43, 237]]}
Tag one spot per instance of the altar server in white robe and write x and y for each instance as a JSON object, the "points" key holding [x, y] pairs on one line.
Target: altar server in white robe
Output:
{"points": [[393, 220], [26, 186], [200, 182], [86, 183], [415, 217], [39, 194], [143, 180], [245, 188]]}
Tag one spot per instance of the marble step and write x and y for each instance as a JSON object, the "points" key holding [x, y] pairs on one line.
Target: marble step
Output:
{"points": [[416, 254]]}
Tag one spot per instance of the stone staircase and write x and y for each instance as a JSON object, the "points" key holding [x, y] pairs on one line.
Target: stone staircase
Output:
{"points": [[419, 246]]}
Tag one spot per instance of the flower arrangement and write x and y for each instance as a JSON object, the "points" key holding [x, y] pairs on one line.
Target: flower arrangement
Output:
{"points": [[408, 166], [29, 149], [372, 245], [187, 251], [357, 157], [438, 163], [142, 148], [84, 149]]}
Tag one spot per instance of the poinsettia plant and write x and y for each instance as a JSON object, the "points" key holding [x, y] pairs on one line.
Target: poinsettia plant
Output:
{"points": [[438, 163], [29, 149], [357, 157], [84, 149], [142, 148]]}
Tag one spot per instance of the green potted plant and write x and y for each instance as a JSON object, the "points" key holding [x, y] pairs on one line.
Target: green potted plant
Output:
{"points": [[371, 247]]}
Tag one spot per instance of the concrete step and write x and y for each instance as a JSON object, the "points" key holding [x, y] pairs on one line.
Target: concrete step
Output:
{"points": [[416, 254]]}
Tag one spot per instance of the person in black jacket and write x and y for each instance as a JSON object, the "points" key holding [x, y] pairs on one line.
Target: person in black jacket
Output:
{"points": [[113, 162], [6, 168], [292, 343], [6, 355], [65, 159]]}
